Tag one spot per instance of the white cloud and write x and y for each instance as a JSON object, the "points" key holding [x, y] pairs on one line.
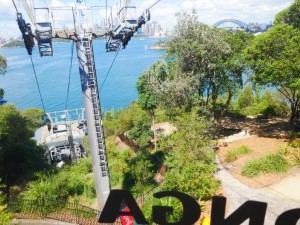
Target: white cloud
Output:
{"points": [[8, 24], [209, 11]]}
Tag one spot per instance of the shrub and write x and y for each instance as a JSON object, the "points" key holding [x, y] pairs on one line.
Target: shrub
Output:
{"points": [[245, 97], [271, 163], [172, 216], [232, 154], [295, 145], [4, 215], [71, 181]]}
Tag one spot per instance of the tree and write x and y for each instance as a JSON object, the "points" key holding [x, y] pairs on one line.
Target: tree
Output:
{"points": [[141, 171], [146, 86], [274, 58], [146, 91], [189, 158], [1, 93], [202, 64], [290, 15], [20, 157], [3, 65], [34, 118], [245, 97]]}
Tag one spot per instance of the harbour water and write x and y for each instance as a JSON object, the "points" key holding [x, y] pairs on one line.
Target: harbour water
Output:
{"points": [[53, 73]]}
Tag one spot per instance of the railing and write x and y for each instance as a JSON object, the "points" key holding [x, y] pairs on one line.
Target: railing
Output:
{"points": [[57, 210]]}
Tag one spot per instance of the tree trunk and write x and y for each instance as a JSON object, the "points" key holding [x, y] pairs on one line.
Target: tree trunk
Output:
{"points": [[227, 103], [154, 131], [294, 113]]}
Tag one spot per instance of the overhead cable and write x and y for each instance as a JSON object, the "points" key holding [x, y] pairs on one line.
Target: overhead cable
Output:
{"points": [[70, 70], [15, 6], [110, 67], [29, 49], [37, 83], [154, 4]]}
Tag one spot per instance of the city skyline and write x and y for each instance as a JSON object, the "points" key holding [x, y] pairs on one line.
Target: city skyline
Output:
{"points": [[163, 13]]}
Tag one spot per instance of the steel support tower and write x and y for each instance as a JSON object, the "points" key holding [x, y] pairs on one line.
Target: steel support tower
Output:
{"points": [[81, 28], [92, 107]]}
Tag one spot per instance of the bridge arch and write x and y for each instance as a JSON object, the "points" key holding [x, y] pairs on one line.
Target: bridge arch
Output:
{"points": [[238, 22]]}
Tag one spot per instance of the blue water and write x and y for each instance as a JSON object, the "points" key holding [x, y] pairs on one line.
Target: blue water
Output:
{"points": [[52, 72]]}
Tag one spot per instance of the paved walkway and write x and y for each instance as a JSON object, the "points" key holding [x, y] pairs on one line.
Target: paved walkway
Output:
{"points": [[238, 193]]}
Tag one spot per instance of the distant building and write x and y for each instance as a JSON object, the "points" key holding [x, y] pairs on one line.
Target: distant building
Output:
{"points": [[152, 29]]}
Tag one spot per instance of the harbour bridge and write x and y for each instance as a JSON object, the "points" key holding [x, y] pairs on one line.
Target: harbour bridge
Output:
{"points": [[237, 22]]}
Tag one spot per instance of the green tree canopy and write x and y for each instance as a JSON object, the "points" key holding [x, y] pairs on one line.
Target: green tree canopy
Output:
{"points": [[290, 15], [202, 64], [245, 97], [275, 58], [1, 93], [3, 65], [33, 117], [19, 154], [3, 68]]}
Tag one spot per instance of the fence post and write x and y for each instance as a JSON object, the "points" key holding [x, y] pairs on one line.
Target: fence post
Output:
{"points": [[76, 211], [42, 207]]}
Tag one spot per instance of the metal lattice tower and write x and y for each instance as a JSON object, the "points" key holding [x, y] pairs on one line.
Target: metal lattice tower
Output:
{"points": [[93, 116]]}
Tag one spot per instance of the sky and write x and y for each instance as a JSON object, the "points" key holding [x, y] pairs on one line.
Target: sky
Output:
{"points": [[209, 11]]}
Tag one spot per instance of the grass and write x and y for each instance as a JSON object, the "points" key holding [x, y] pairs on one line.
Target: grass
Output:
{"points": [[232, 154], [271, 163]]}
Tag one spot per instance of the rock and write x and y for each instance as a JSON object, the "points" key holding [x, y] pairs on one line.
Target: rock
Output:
{"points": [[159, 178], [60, 164], [229, 166]]}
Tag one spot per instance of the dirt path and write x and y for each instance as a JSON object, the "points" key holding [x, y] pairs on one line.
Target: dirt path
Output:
{"points": [[260, 147]]}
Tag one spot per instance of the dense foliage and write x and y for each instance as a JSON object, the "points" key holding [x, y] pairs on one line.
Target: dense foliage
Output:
{"points": [[3, 68], [72, 181], [202, 65], [289, 15], [190, 157], [5, 217], [274, 57], [1, 93], [20, 157], [256, 103], [3, 65]]}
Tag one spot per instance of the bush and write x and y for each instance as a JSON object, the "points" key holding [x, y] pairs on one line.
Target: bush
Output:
{"points": [[271, 163], [71, 181], [118, 159], [173, 216], [5, 217], [245, 97], [295, 145], [266, 106], [232, 154]]}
